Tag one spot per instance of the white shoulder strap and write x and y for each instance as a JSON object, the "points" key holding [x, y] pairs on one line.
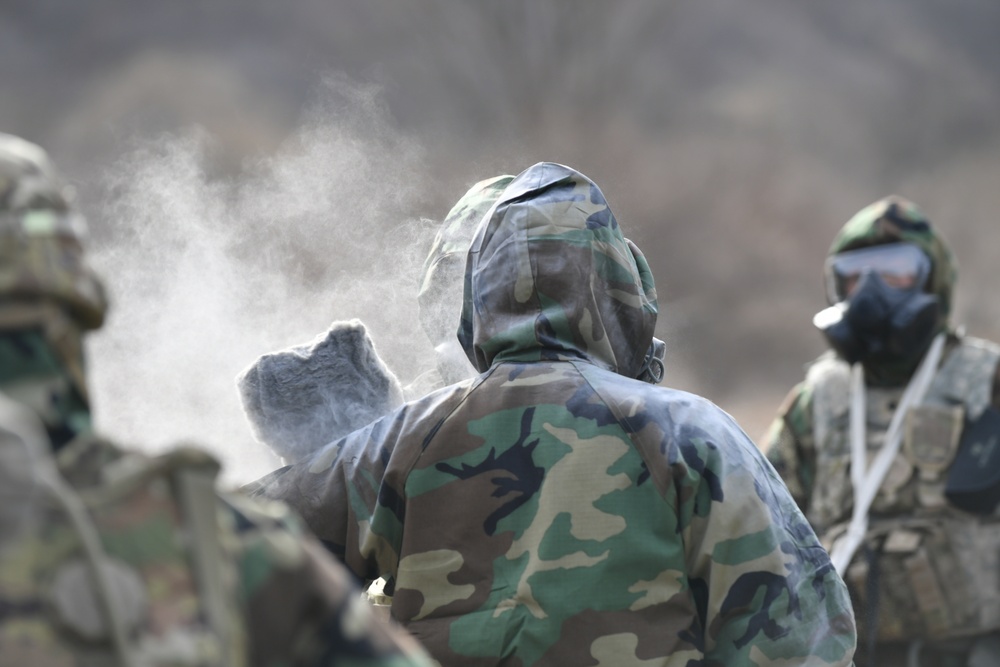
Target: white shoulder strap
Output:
{"points": [[866, 481]]}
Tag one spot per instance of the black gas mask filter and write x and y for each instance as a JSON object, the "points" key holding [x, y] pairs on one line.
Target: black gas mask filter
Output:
{"points": [[652, 366]]}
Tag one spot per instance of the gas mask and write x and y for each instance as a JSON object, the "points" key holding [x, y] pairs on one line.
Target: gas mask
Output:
{"points": [[881, 313], [652, 366]]}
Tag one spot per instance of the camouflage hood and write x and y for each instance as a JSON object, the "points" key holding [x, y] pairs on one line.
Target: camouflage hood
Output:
{"points": [[895, 219], [581, 291]]}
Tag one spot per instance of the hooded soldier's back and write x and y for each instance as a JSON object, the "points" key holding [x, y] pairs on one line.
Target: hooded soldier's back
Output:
{"points": [[109, 557], [555, 511]]}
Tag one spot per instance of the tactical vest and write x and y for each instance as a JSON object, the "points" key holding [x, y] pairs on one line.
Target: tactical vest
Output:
{"points": [[132, 567], [930, 570]]}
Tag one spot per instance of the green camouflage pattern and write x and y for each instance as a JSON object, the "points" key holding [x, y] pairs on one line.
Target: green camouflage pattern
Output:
{"points": [[46, 283], [555, 511], [556, 291], [277, 598], [808, 443], [939, 580], [789, 445], [789, 440], [894, 219], [41, 238]]}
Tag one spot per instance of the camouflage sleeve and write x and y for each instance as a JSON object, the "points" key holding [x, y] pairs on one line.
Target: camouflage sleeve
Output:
{"points": [[337, 493], [788, 444], [766, 590], [303, 607]]}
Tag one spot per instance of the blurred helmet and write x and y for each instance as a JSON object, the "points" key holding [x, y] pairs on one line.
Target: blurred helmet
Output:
{"points": [[49, 294], [894, 219], [440, 297], [41, 236]]}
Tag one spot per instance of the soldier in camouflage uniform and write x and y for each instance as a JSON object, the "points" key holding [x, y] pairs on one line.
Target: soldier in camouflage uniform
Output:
{"points": [[556, 511], [885, 442], [114, 558]]}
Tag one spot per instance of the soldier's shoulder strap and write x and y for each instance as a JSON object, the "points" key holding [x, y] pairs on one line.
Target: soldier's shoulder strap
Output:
{"points": [[190, 474], [20, 426]]}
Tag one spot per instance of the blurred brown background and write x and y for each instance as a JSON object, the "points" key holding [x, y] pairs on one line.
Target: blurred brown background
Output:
{"points": [[732, 138]]}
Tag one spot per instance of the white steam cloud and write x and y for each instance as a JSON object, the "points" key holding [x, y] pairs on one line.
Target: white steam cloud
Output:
{"points": [[208, 274]]}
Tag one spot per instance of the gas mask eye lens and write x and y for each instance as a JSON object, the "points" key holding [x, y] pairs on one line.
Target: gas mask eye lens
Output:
{"points": [[899, 265]]}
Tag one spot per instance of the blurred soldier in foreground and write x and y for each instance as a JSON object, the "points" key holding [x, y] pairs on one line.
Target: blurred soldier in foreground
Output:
{"points": [[109, 557], [889, 447], [555, 510]]}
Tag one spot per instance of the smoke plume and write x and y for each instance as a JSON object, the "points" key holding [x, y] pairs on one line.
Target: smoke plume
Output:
{"points": [[208, 273]]}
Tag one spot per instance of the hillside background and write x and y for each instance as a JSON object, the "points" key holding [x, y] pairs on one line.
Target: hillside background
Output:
{"points": [[254, 170]]}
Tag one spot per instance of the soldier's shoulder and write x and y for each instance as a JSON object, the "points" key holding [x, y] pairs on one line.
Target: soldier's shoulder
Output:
{"points": [[979, 346], [86, 460], [257, 513], [825, 365]]}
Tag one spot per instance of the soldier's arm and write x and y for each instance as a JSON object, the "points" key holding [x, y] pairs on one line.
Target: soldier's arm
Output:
{"points": [[302, 606], [767, 590], [789, 447], [337, 491]]}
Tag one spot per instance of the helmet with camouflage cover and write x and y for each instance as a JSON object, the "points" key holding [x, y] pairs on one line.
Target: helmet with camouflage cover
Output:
{"points": [[894, 219], [41, 235], [49, 295]]}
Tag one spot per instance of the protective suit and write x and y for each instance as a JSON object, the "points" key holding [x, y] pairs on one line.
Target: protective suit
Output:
{"points": [[112, 557], [890, 456], [554, 510]]}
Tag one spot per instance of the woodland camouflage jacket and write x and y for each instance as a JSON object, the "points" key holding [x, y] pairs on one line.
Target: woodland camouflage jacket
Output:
{"points": [[239, 585], [554, 511]]}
